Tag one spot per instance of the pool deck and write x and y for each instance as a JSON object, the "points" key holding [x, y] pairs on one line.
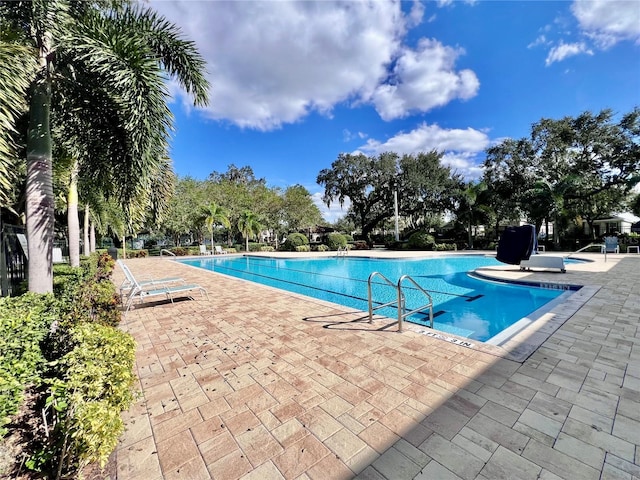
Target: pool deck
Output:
{"points": [[257, 383]]}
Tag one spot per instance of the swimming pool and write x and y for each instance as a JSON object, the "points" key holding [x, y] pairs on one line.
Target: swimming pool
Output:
{"points": [[463, 305]]}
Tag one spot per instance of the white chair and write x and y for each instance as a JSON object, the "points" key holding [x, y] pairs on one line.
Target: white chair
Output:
{"points": [[157, 288], [57, 255], [610, 245], [543, 261], [126, 288], [218, 250], [204, 251]]}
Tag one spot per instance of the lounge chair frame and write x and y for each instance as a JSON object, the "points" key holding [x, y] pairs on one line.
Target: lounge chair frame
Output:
{"points": [[169, 288], [129, 281]]}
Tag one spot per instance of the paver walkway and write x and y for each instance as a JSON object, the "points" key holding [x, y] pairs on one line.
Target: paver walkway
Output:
{"points": [[262, 384]]}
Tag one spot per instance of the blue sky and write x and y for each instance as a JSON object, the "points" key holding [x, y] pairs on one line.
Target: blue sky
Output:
{"points": [[296, 83]]}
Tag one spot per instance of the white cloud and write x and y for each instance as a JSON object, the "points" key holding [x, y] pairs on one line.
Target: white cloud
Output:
{"points": [[461, 147], [423, 79], [541, 40], [417, 13], [565, 50], [608, 22], [273, 63], [333, 212]]}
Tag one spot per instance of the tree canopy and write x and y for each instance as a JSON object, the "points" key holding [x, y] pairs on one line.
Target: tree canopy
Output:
{"points": [[577, 168], [421, 181]]}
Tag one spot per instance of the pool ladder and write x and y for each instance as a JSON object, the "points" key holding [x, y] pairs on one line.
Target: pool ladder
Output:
{"points": [[342, 251], [400, 303]]}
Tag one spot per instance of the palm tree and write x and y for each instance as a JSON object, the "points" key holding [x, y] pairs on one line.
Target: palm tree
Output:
{"points": [[110, 67], [470, 197], [214, 215], [249, 226]]}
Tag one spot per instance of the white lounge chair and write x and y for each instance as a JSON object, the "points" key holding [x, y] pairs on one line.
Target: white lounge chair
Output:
{"points": [[218, 250], [543, 261], [57, 255], [166, 290], [204, 251], [610, 245], [126, 288]]}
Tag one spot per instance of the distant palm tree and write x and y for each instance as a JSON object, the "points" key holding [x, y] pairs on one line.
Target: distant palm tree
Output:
{"points": [[107, 68], [214, 215], [470, 197], [249, 226]]}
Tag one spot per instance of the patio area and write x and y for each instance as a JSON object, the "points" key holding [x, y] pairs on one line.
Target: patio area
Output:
{"points": [[258, 383]]}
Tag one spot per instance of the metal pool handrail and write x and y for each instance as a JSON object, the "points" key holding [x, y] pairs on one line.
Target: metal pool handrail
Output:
{"points": [[370, 296], [402, 313], [400, 302], [167, 251]]}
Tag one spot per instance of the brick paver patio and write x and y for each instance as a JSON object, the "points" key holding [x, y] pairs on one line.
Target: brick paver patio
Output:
{"points": [[258, 383]]}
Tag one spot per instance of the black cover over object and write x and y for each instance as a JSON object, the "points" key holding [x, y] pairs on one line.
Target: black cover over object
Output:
{"points": [[516, 244]]}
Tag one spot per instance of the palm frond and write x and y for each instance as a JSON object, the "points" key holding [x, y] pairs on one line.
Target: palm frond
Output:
{"points": [[17, 70]]}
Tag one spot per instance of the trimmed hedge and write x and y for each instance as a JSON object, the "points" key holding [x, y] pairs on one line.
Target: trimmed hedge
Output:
{"points": [[294, 241], [421, 241], [66, 350], [24, 323], [336, 240]]}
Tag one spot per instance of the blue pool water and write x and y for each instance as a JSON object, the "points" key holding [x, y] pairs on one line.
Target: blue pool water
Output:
{"points": [[463, 305]]}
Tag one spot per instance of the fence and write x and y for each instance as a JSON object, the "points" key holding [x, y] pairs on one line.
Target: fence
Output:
{"points": [[13, 258]]}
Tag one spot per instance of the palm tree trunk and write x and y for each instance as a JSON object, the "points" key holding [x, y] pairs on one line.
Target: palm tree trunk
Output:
{"points": [[39, 194], [73, 223], [92, 237], [87, 248]]}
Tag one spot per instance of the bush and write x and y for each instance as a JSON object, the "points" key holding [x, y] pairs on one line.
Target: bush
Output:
{"points": [[336, 240], [180, 251], [256, 247], [360, 245], [293, 241], [267, 248], [137, 253], [303, 248], [445, 247], [93, 383], [421, 241], [231, 250], [88, 379], [24, 323], [322, 248], [348, 237]]}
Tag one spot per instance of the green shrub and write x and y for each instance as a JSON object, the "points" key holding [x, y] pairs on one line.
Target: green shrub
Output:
{"points": [[336, 240], [180, 251], [322, 248], [231, 250], [303, 248], [24, 323], [360, 245], [137, 253], [421, 241], [88, 378], [93, 383], [256, 247], [293, 241], [267, 248], [348, 237], [445, 247]]}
